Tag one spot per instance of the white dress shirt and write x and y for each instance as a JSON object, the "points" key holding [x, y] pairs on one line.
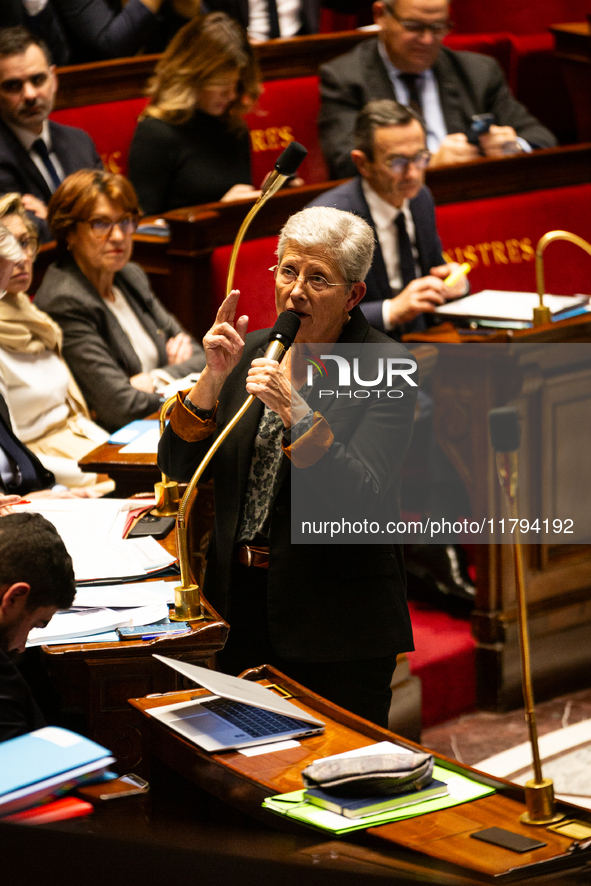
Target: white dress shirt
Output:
{"points": [[27, 140], [384, 216], [288, 13]]}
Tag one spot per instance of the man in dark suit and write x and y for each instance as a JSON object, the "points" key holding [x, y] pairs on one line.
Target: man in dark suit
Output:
{"points": [[36, 579], [408, 62], [406, 279], [36, 154]]}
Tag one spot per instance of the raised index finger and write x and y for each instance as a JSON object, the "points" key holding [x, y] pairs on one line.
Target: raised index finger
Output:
{"points": [[227, 310]]}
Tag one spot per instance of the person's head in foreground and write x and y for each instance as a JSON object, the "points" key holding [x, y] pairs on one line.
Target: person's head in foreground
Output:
{"points": [[11, 258], [324, 255], [14, 218], [36, 578]]}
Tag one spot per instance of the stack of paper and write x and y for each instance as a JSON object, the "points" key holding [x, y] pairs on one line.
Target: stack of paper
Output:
{"points": [[99, 610], [92, 532], [496, 304], [48, 761]]}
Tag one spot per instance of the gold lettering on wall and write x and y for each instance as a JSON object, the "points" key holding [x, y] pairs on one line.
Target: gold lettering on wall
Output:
{"points": [[497, 252], [271, 139]]}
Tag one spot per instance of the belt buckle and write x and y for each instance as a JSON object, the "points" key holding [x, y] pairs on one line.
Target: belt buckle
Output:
{"points": [[248, 555]]}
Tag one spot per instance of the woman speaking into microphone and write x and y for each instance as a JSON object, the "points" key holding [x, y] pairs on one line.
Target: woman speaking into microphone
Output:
{"points": [[331, 616]]}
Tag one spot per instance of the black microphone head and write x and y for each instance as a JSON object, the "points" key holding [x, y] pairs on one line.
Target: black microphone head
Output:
{"points": [[286, 328], [504, 430], [290, 159]]}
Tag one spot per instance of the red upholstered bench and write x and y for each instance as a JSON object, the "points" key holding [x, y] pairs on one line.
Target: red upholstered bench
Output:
{"points": [[286, 111], [252, 278], [110, 125], [498, 237]]}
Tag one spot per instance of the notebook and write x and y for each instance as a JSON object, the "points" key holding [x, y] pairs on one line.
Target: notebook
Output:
{"points": [[240, 714]]}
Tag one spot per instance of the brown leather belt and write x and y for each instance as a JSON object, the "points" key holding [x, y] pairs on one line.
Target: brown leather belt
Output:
{"points": [[253, 555]]}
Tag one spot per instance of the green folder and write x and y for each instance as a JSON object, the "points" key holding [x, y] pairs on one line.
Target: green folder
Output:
{"points": [[293, 805]]}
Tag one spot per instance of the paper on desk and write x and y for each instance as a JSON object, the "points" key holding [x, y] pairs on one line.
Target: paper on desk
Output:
{"points": [[125, 596], [87, 622], [380, 747], [133, 430], [145, 443], [107, 637], [493, 304], [293, 805]]}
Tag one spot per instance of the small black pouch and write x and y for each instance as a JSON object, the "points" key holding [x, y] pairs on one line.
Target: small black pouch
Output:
{"points": [[370, 775]]}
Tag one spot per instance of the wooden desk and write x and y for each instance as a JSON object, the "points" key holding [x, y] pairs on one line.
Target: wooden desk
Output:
{"points": [[98, 678], [573, 48], [131, 473], [434, 848]]}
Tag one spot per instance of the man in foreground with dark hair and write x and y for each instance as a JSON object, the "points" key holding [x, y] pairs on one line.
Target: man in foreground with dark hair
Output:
{"points": [[36, 154], [36, 579]]}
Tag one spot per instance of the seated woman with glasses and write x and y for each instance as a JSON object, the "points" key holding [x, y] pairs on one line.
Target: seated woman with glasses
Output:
{"points": [[40, 404], [191, 145], [119, 341]]}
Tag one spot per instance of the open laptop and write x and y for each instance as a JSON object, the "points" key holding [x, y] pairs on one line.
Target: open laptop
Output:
{"points": [[239, 715]]}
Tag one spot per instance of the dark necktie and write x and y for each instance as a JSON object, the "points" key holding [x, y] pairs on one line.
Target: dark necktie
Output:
{"points": [[407, 263], [274, 31], [25, 477], [40, 149], [414, 99]]}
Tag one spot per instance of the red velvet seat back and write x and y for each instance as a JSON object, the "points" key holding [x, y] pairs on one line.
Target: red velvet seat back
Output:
{"points": [[255, 282], [518, 18], [286, 112], [110, 125], [499, 236]]}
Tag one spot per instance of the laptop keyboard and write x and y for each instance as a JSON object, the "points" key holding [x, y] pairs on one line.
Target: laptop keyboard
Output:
{"points": [[254, 721]]}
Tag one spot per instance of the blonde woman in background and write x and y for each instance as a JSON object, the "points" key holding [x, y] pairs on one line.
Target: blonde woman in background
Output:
{"points": [[191, 145], [46, 409]]}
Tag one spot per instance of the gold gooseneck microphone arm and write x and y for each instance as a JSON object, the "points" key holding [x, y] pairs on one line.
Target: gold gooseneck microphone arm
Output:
{"points": [[541, 312], [539, 791]]}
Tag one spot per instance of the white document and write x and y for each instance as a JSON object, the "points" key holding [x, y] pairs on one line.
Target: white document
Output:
{"points": [[493, 304], [91, 530], [145, 443], [86, 622], [125, 596]]}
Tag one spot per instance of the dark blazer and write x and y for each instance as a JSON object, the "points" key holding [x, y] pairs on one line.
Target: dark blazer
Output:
{"points": [[45, 24], [469, 83], [43, 478], [351, 198], [238, 9], [73, 147], [325, 602], [18, 710], [97, 350]]}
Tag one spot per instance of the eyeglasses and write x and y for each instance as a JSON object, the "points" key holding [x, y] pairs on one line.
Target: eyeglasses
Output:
{"points": [[287, 277], [29, 245], [437, 29], [400, 164], [102, 227]]}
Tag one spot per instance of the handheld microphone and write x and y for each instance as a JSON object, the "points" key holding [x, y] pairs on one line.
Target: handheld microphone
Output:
{"points": [[282, 335], [504, 429], [287, 163]]}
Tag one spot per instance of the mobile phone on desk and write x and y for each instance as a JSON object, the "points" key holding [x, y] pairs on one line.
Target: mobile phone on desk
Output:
{"points": [[126, 786], [150, 524], [159, 629]]}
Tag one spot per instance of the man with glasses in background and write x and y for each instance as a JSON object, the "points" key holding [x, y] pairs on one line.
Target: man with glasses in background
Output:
{"points": [[36, 154], [408, 62], [406, 279]]}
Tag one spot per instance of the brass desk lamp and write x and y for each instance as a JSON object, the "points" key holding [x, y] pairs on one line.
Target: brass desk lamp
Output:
{"points": [[541, 312]]}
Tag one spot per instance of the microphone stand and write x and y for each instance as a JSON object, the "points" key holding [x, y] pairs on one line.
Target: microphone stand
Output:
{"points": [[541, 312], [539, 791], [187, 599]]}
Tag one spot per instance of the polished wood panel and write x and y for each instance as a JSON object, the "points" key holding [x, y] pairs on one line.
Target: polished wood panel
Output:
{"points": [[439, 837], [573, 49]]}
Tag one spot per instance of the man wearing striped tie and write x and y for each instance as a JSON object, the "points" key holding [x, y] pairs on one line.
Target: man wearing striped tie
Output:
{"points": [[36, 154]]}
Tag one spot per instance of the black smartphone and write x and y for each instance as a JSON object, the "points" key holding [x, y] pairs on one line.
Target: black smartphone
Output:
{"points": [[481, 123], [150, 524]]}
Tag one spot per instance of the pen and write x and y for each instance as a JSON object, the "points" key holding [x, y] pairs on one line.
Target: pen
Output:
{"points": [[453, 278], [23, 501]]}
